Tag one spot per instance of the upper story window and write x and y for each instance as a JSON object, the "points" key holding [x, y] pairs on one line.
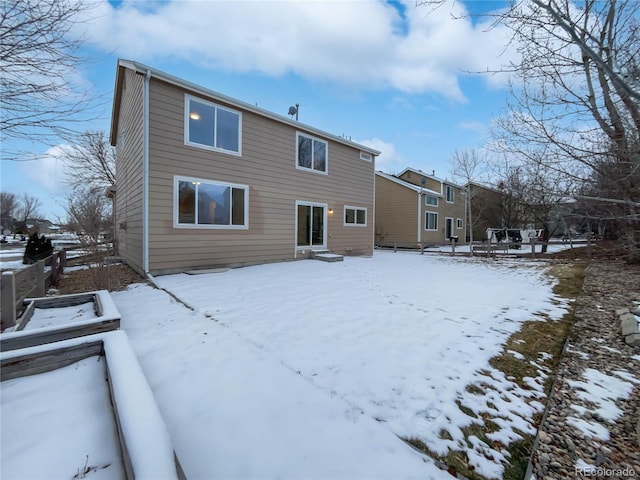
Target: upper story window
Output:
{"points": [[355, 216], [431, 200], [450, 194], [459, 223], [207, 204], [365, 156], [311, 153], [211, 126]]}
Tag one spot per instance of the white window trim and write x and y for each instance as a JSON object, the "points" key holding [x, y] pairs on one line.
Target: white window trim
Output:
{"points": [[177, 179], [366, 156], [313, 170], [459, 224], [324, 233], [446, 188], [351, 207], [187, 99], [430, 204], [426, 221]]}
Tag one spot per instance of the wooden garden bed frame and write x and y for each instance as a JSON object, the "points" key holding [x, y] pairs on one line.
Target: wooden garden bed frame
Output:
{"points": [[107, 319], [144, 440]]}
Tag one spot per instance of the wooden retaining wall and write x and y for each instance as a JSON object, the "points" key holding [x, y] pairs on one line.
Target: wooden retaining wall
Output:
{"points": [[32, 281]]}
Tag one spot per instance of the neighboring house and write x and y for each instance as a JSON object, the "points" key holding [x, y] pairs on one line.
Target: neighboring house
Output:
{"points": [[204, 180], [487, 209], [415, 208]]}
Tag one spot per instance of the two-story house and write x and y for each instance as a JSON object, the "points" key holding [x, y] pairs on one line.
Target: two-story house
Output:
{"points": [[415, 208], [204, 180]]}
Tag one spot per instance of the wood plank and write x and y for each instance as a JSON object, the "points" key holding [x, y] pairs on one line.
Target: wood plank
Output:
{"points": [[65, 301], [41, 362], [36, 337], [122, 439], [25, 317]]}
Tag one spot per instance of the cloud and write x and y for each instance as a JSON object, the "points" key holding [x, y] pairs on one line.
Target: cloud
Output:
{"points": [[46, 171], [388, 158], [365, 44], [475, 127]]}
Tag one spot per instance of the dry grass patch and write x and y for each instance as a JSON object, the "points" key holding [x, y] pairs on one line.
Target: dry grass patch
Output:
{"points": [[534, 350], [108, 277]]}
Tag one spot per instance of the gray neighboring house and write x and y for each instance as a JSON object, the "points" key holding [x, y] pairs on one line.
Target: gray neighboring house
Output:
{"points": [[204, 180]]}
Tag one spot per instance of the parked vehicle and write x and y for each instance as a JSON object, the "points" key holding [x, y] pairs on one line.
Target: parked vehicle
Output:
{"points": [[513, 236]]}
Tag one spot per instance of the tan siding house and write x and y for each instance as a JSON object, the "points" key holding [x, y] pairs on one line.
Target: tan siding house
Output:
{"points": [[204, 180], [414, 208]]}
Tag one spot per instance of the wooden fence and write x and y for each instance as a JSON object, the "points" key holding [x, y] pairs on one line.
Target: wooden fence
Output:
{"points": [[32, 281]]}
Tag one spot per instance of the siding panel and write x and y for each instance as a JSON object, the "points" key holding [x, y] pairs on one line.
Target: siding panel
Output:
{"points": [[396, 214], [129, 150], [267, 166]]}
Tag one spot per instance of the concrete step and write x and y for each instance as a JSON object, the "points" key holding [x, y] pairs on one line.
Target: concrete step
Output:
{"points": [[327, 256]]}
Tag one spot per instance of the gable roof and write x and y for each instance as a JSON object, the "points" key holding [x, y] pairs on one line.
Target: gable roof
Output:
{"points": [[424, 174], [211, 94], [408, 185], [484, 186]]}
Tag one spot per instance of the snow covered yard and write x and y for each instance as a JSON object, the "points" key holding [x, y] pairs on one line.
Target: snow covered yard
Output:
{"points": [[312, 369], [53, 425]]}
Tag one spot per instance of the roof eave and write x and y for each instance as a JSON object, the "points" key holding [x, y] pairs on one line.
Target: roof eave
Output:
{"points": [[179, 82]]}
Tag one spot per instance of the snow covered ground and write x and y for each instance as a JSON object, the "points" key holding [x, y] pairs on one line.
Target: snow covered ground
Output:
{"points": [[313, 370], [317, 370], [53, 425], [47, 317]]}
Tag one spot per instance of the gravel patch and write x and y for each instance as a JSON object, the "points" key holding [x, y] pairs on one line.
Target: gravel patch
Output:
{"points": [[592, 416]]}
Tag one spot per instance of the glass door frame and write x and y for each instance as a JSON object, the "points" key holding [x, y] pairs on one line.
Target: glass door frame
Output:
{"points": [[448, 221], [325, 208]]}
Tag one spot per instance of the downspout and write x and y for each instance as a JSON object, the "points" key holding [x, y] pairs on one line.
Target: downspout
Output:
{"points": [[420, 217], [373, 201], [145, 176]]}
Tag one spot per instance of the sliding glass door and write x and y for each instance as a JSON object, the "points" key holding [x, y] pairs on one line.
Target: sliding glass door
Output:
{"points": [[311, 219]]}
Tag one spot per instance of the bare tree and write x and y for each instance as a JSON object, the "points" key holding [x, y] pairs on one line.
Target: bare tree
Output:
{"points": [[468, 166], [8, 208], [576, 105], [575, 93], [40, 59], [91, 162], [88, 210], [537, 197], [27, 207]]}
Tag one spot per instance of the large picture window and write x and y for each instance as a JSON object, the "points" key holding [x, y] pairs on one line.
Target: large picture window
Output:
{"points": [[355, 216], [431, 221], [207, 204], [311, 153], [211, 126]]}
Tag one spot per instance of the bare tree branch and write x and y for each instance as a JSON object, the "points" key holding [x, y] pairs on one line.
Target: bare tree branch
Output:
{"points": [[42, 96], [91, 162]]}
